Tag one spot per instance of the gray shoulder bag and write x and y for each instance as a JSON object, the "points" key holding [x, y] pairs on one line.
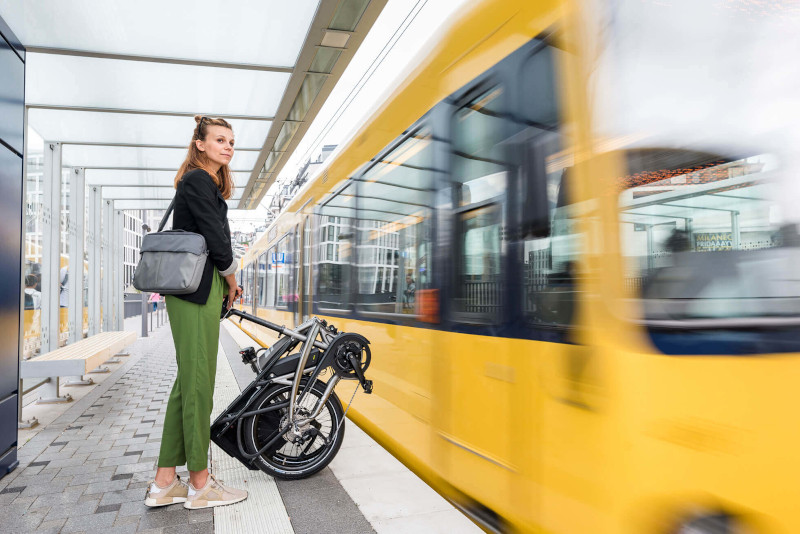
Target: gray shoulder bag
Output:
{"points": [[172, 261]]}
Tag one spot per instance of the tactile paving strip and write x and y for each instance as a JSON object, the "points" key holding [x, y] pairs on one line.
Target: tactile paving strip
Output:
{"points": [[263, 511]]}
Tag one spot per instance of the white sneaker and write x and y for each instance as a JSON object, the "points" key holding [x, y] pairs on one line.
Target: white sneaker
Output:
{"points": [[176, 492], [213, 494]]}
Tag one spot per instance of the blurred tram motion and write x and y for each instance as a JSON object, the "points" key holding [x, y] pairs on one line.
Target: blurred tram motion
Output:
{"points": [[569, 334]]}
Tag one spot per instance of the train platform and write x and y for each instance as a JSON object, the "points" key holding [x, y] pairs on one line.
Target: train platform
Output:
{"points": [[86, 466]]}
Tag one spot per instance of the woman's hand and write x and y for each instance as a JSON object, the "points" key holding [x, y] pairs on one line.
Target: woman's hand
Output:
{"points": [[234, 291]]}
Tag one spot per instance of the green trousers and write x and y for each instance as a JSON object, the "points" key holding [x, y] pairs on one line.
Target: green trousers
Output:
{"points": [[187, 425]]}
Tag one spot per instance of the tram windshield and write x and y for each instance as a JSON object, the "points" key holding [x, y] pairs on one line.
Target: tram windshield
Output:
{"points": [[704, 242]]}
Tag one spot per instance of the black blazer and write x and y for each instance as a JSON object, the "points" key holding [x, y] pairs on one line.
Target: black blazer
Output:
{"points": [[200, 208]]}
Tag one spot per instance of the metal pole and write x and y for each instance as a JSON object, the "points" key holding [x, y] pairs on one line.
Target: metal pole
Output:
{"points": [[145, 229], [108, 268], [119, 270], [736, 236], [51, 261], [94, 233], [77, 226]]}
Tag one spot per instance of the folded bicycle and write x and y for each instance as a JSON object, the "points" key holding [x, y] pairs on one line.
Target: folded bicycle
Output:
{"points": [[292, 439]]}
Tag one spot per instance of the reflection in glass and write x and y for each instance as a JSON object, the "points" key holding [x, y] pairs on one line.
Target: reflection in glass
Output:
{"points": [[704, 239], [33, 247], [479, 167], [394, 228], [335, 244]]}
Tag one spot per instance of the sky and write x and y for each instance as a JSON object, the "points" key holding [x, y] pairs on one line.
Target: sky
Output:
{"points": [[420, 22]]}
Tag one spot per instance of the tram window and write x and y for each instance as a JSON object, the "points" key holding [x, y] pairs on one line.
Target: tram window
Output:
{"points": [[335, 247], [479, 168], [262, 280], [270, 287], [479, 172], [538, 78], [247, 297], [548, 261], [283, 269], [479, 268], [394, 228], [703, 238]]}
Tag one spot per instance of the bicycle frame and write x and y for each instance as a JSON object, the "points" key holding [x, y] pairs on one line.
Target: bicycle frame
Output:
{"points": [[313, 334]]}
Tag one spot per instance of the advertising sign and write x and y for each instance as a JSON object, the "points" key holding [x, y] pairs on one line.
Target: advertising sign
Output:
{"points": [[707, 242]]}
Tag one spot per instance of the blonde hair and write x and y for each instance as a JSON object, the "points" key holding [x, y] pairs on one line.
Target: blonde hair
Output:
{"points": [[196, 159]]}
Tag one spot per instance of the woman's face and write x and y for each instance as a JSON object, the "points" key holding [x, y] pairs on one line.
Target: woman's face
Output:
{"points": [[218, 145]]}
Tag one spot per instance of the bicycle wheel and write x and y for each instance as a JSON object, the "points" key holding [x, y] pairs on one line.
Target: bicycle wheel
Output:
{"points": [[295, 455]]}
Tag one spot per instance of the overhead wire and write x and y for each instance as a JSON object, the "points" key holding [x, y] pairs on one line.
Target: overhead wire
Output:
{"points": [[362, 81]]}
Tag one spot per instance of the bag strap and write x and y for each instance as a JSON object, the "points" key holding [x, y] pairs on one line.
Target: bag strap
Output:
{"points": [[166, 215]]}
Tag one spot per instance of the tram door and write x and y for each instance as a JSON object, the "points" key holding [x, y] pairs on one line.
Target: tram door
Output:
{"points": [[304, 283]]}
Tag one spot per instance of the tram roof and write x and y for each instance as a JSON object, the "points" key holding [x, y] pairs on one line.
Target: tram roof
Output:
{"points": [[118, 83]]}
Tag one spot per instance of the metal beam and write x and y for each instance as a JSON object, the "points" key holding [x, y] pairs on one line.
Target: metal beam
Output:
{"points": [[154, 169], [56, 107], [108, 267], [119, 269], [93, 239], [51, 261], [141, 145], [154, 59], [76, 227], [51, 245]]}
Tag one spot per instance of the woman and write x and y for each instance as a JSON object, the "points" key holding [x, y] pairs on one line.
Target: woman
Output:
{"points": [[202, 184]]}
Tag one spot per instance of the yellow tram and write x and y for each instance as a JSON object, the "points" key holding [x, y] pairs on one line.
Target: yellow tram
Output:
{"points": [[567, 333]]}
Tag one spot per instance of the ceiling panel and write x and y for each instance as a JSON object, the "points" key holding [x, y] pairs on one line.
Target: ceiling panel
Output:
{"points": [[97, 127], [136, 157], [117, 84], [263, 32]]}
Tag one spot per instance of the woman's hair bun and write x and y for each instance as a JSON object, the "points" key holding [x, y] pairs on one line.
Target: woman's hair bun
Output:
{"points": [[198, 118]]}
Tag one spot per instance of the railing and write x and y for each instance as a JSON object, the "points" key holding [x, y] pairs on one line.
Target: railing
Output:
{"points": [[481, 297]]}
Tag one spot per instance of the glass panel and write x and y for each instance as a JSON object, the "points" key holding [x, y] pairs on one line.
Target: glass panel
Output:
{"points": [[479, 155], [706, 240], [479, 285], [335, 249], [262, 280], [270, 295], [307, 268], [549, 263], [118, 156], [63, 273], [309, 90], [285, 135], [394, 228], [98, 127], [247, 297], [324, 60], [272, 160], [282, 260], [262, 32], [348, 14], [96, 82], [33, 247]]}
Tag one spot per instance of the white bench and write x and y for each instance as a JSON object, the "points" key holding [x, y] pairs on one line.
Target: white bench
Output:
{"points": [[75, 359]]}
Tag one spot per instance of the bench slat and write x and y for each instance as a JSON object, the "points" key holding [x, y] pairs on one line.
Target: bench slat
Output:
{"points": [[82, 356]]}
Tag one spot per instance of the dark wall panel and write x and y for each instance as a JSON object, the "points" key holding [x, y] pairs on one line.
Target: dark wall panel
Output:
{"points": [[10, 264], [12, 129], [12, 96]]}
